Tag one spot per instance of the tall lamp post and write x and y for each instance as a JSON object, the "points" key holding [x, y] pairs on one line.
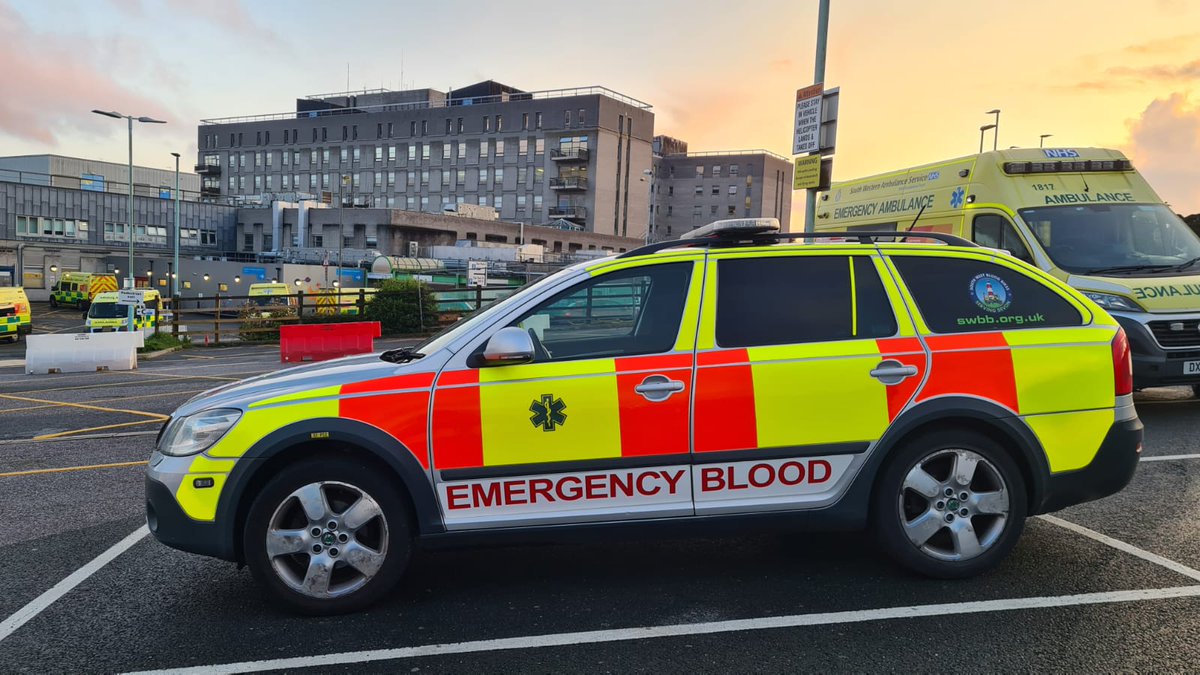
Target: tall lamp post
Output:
{"points": [[649, 178], [995, 125], [982, 130], [175, 280], [1042, 140], [129, 225]]}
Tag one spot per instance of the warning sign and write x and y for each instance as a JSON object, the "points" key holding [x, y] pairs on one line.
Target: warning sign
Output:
{"points": [[808, 172]]}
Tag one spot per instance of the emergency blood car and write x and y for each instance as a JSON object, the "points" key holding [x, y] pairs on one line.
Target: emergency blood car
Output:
{"points": [[1084, 215], [937, 392]]}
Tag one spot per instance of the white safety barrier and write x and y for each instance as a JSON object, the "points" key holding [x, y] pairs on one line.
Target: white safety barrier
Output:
{"points": [[81, 352]]}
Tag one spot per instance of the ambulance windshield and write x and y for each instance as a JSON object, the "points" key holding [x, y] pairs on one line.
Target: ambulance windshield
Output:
{"points": [[107, 310], [1115, 238]]}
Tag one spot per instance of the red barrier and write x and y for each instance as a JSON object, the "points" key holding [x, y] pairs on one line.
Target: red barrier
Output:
{"points": [[324, 341]]}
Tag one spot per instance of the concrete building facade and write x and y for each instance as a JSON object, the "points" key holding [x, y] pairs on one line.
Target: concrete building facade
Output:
{"points": [[692, 189], [537, 157], [96, 176]]}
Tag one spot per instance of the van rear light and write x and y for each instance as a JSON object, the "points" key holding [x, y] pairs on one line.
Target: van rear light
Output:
{"points": [[1122, 364]]}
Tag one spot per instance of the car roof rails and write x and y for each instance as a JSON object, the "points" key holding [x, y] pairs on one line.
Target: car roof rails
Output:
{"points": [[756, 232]]}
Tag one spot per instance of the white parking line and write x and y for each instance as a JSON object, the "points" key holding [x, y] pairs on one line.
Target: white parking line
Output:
{"points": [[682, 630], [1168, 458], [25, 614], [1178, 568]]}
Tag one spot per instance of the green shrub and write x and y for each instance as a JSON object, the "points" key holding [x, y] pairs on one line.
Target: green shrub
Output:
{"points": [[261, 324], [164, 340], [402, 307]]}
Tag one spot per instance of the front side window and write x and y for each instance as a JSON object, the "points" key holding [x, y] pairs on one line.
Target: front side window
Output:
{"points": [[624, 313], [957, 295], [994, 231], [827, 298]]}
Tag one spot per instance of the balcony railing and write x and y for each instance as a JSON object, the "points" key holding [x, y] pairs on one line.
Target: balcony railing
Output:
{"points": [[569, 183], [208, 169], [569, 155], [569, 212]]}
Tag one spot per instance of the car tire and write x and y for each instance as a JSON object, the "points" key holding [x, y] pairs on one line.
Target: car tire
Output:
{"points": [[930, 522], [313, 568], [53, 303], [1196, 390]]}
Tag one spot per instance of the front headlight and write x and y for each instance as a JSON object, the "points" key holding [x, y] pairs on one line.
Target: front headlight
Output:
{"points": [[197, 433], [1109, 301]]}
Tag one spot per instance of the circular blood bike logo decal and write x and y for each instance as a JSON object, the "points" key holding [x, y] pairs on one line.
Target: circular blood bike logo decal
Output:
{"points": [[990, 293]]}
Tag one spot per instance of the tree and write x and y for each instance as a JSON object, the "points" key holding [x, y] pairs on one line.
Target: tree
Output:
{"points": [[402, 306]]}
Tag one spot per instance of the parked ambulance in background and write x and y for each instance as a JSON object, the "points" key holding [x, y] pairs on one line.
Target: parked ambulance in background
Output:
{"points": [[1084, 215], [15, 318], [106, 315]]}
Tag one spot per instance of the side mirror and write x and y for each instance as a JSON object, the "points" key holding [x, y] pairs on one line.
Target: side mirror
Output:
{"points": [[509, 346]]}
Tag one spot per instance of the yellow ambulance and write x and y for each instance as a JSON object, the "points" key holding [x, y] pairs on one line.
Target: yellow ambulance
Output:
{"points": [[1084, 215], [105, 314], [80, 288], [15, 318]]}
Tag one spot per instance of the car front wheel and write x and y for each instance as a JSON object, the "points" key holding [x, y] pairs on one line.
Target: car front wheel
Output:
{"points": [[328, 536], [950, 504]]}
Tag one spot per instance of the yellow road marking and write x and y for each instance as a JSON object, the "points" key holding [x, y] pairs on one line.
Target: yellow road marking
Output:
{"points": [[65, 469], [74, 432], [84, 406], [107, 400], [182, 377]]}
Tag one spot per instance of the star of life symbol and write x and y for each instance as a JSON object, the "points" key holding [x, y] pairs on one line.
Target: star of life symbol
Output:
{"points": [[548, 412]]}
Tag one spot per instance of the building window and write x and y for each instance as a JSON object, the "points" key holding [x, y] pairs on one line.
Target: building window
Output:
{"points": [[345, 133], [522, 176], [354, 132], [462, 149], [716, 171], [424, 176], [410, 203], [446, 149], [499, 147], [379, 130], [285, 138], [670, 190], [391, 153], [716, 190], [389, 130], [424, 203], [734, 169], [247, 242], [258, 182], [487, 123], [412, 128], [461, 126], [699, 190], [567, 119], [732, 210], [391, 178], [412, 152], [357, 180], [357, 154], [523, 147], [537, 120], [287, 182], [499, 175], [312, 181], [582, 118], [378, 153], [483, 176], [524, 121], [445, 185], [449, 126], [285, 157], [425, 152], [539, 146], [424, 127], [378, 182], [697, 210], [270, 182], [712, 210], [537, 202], [499, 123], [521, 202], [460, 177], [343, 155], [733, 189], [241, 182], [699, 171]]}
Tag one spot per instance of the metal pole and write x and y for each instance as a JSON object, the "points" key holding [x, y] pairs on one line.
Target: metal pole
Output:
{"points": [[996, 131], [981, 129], [810, 197], [175, 277], [129, 225]]}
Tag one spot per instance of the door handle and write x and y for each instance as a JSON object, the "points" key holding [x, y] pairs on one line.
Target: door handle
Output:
{"points": [[892, 372], [657, 388]]}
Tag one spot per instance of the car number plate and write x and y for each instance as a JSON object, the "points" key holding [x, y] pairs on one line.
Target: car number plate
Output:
{"points": [[1191, 367]]}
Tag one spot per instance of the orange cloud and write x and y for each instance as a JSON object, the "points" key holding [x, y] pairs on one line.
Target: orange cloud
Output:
{"points": [[43, 97], [1165, 145]]}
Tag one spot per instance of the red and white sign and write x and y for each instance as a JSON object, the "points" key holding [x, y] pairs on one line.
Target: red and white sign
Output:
{"points": [[807, 137], [644, 492]]}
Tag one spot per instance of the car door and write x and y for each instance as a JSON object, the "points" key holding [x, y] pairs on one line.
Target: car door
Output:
{"points": [[804, 358], [595, 427]]}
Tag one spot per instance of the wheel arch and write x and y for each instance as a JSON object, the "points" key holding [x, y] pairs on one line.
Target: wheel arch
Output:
{"points": [[978, 415], [323, 437]]}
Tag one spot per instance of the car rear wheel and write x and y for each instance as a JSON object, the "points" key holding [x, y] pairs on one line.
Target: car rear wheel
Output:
{"points": [[328, 536], [53, 303], [950, 504]]}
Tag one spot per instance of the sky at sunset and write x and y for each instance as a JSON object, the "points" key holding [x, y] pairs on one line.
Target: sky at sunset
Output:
{"points": [[916, 77]]}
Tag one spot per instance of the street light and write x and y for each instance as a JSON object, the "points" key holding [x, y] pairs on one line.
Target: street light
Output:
{"points": [[995, 125], [206, 277], [982, 129], [175, 285], [1042, 140], [144, 120], [237, 280], [54, 269]]}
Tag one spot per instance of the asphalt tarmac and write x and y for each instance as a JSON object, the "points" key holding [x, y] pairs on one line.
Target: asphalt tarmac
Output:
{"points": [[1107, 586]]}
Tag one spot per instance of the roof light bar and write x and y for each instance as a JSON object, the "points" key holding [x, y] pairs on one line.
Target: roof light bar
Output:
{"points": [[734, 228], [1075, 166]]}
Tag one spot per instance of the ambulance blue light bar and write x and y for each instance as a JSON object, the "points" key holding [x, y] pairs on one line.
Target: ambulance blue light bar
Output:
{"points": [[1071, 166], [734, 228]]}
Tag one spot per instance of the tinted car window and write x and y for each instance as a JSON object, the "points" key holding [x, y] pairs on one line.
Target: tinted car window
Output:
{"points": [[624, 313], [957, 296], [995, 231], [789, 300]]}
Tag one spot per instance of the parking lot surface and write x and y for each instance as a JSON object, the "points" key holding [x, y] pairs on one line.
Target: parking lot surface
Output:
{"points": [[1105, 586]]}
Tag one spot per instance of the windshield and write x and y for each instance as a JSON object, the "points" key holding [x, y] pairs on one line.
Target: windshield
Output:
{"points": [[107, 310], [443, 337], [1114, 238], [268, 300]]}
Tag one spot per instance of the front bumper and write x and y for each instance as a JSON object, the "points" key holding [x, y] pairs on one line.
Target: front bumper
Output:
{"points": [[1154, 366], [1110, 471], [167, 521]]}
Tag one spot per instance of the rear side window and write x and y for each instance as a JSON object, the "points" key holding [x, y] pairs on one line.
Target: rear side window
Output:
{"points": [[789, 300], [959, 296]]}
